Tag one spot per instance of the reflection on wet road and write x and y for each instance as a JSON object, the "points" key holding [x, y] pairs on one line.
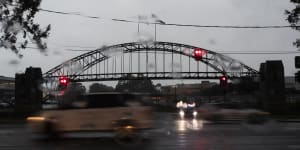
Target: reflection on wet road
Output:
{"points": [[185, 124]]}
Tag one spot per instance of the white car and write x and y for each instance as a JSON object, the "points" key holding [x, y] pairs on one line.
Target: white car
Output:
{"points": [[186, 110]]}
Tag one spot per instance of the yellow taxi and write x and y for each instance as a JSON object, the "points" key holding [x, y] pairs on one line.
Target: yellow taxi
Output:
{"points": [[122, 113]]}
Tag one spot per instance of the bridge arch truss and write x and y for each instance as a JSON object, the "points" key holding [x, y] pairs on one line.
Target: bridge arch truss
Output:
{"points": [[151, 60]]}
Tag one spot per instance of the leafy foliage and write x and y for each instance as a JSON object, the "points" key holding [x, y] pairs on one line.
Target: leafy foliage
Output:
{"points": [[72, 94], [17, 19], [143, 86], [97, 87], [294, 18]]}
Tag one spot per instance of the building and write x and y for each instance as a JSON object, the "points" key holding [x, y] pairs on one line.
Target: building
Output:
{"points": [[186, 92], [187, 89], [6, 80], [290, 83], [7, 89], [292, 90]]}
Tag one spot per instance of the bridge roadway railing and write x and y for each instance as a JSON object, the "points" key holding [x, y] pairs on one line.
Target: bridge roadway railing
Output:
{"points": [[152, 76]]}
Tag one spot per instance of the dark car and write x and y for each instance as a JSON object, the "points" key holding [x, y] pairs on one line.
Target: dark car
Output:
{"points": [[214, 112]]}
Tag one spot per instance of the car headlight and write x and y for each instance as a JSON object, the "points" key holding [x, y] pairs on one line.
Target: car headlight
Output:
{"points": [[38, 118], [195, 113], [181, 113]]}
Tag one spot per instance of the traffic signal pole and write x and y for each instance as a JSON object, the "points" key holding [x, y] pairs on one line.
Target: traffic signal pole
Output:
{"points": [[224, 85], [297, 66]]}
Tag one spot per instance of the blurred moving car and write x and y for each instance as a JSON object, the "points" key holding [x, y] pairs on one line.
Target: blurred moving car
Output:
{"points": [[187, 110], [123, 114], [213, 112], [4, 105]]}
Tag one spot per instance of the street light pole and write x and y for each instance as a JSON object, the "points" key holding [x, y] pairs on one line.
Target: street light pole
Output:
{"points": [[138, 28], [155, 32]]}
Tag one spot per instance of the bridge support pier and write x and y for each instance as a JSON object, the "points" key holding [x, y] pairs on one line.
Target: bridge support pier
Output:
{"points": [[28, 93], [273, 87]]}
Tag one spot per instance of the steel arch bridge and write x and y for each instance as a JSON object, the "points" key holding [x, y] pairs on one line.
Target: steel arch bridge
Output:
{"points": [[149, 60]]}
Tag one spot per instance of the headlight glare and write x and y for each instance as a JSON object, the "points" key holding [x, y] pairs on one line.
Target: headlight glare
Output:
{"points": [[195, 113], [181, 113]]}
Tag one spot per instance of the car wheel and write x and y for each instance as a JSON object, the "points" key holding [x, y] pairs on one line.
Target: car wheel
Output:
{"points": [[125, 136], [125, 132], [50, 131]]}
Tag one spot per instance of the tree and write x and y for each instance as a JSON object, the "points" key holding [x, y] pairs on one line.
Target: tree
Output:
{"points": [[97, 87], [72, 94], [76, 87], [144, 86], [17, 19], [294, 18]]}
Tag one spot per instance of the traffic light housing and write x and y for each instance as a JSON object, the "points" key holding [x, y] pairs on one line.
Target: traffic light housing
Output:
{"points": [[198, 53], [297, 76], [64, 81], [297, 61], [223, 81]]}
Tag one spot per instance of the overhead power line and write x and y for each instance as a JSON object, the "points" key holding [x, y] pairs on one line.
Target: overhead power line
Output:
{"points": [[221, 52], [169, 24], [262, 53], [69, 13]]}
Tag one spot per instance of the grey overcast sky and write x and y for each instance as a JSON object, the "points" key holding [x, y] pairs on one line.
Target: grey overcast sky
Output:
{"points": [[75, 32]]}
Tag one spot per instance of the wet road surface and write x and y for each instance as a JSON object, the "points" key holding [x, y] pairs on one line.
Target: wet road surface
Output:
{"points": [[170, 133]]}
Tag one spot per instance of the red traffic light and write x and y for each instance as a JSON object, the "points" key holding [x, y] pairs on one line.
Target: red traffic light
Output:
{"points": [[64, 81], [223, 78], [198, 53], [223, 81]]}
